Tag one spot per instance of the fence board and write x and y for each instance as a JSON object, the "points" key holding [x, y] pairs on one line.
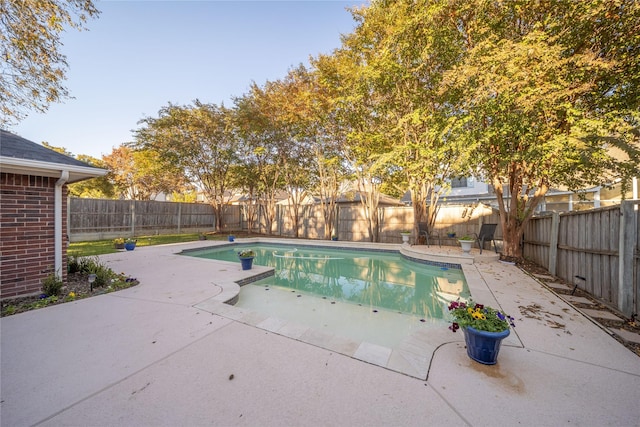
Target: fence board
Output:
{"points": [[588, 245], [103, 218], [588, 241]]}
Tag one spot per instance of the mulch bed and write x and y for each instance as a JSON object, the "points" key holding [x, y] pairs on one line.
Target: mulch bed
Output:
{"points": [[77, 283]]}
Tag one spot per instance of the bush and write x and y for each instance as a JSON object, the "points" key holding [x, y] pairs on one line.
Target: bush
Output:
{"points": [[73, 264], [52, 285], [92, 265]]}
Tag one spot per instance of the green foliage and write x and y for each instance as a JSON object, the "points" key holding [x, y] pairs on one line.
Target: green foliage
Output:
{"points": [[91, 265], [478, 316], [33, 66], [142, 174], [9, 310], [73, 263], [52, 285], [97, 188], [197, 140]]}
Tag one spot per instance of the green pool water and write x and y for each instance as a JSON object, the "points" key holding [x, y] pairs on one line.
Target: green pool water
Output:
{"points": [[378, 281]]}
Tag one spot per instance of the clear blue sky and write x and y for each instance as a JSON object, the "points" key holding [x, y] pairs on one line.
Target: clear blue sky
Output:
{"points": [[140, 55]]}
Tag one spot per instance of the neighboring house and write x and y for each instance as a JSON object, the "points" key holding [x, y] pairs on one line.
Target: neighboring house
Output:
{"points": [[470, 190], [352, 198], [33, 212]]}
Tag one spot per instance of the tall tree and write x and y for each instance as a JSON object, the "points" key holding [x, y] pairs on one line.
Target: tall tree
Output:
{"points": [[356, 107], [326, 136], [33, 68], [407, 50], [95, 188], [99, 187], [265, 144], [142, 174], [541, 95], [199, 140]]}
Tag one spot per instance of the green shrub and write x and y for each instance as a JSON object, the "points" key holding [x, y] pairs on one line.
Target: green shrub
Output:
{"points": [[92, 265], [52, 285], [73, 264], [8, 311]]}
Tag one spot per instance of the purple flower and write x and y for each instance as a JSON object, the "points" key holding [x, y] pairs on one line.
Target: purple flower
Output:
{"points": [[454, 327]]}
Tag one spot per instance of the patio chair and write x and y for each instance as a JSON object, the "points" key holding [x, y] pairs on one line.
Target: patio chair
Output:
{"points": [[486, 235], [423, 230]]}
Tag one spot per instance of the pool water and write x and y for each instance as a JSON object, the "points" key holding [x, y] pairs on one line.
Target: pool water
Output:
{"points": [[380, 281], [359, 296]]}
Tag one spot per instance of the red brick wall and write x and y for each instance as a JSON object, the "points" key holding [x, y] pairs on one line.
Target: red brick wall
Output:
{"points": [[27, 233]]}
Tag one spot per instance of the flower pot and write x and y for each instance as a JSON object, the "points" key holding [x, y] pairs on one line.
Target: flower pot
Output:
{"points": [[119, 245], [129, 246], [405, 237], [451, 235], [483, 346], [466, 245], [246, 262], [232, 238]]}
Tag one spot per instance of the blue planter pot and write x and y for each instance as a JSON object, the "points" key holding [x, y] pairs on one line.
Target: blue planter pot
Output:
{"points": [[231, 238], [246, 262], [129, 246], [483, 346]]}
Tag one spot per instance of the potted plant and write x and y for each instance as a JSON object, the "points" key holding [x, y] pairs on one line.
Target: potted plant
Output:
{"points": [[405, 235], [118, 243], [130, 244], [231, 237], [451, 235], [466, 242], [484, 329], [246, 258]]}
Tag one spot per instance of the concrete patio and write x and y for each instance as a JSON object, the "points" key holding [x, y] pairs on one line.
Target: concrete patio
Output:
{"points": [[170, 352]]}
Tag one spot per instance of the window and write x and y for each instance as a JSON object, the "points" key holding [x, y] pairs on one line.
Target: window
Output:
{"points": [[459, 182]]}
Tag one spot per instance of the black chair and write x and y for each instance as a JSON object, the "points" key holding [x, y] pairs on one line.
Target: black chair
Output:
{"points": [[486, 235], [423, 230]]}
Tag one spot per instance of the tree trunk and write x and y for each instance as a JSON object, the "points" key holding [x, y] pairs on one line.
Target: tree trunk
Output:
{"points": [[518, 212]]}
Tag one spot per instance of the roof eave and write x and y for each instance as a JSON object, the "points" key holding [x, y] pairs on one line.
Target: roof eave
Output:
{"points": [[36, 167]]}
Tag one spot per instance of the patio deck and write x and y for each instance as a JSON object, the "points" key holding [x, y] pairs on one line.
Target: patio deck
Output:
{"points": [[168, 352]]}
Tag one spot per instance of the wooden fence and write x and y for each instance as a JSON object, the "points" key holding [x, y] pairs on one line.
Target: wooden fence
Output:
{"points": [[94, 219], [352, 225], [597, 250]]}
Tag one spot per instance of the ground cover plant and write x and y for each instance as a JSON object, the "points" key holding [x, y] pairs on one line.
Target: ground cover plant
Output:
{"points": [[77, 286]]}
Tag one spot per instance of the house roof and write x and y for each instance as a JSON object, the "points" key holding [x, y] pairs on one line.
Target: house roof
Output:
{"points": [[355, 196], [21, 156]]}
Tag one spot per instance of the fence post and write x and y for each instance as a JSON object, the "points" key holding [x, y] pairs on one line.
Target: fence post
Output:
{"points": [[180, 218], [553, 243], [625, 258], [133, 218]]}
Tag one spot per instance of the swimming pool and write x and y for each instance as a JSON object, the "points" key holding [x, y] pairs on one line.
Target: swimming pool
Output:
{"points": [[380, 280]]}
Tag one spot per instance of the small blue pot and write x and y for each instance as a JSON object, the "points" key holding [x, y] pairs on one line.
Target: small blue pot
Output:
{"points": [[483, 346], [129, 246], [232, 238], [246, 262]]}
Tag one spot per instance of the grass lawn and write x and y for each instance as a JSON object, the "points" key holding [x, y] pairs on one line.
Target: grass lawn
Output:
{"points": [[100, 247]]}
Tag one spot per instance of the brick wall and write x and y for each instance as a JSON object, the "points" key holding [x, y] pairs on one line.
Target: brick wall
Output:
{"points": [[27, 233]]}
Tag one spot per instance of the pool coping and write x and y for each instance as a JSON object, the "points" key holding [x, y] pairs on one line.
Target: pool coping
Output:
{"points": [[412, 357]]}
